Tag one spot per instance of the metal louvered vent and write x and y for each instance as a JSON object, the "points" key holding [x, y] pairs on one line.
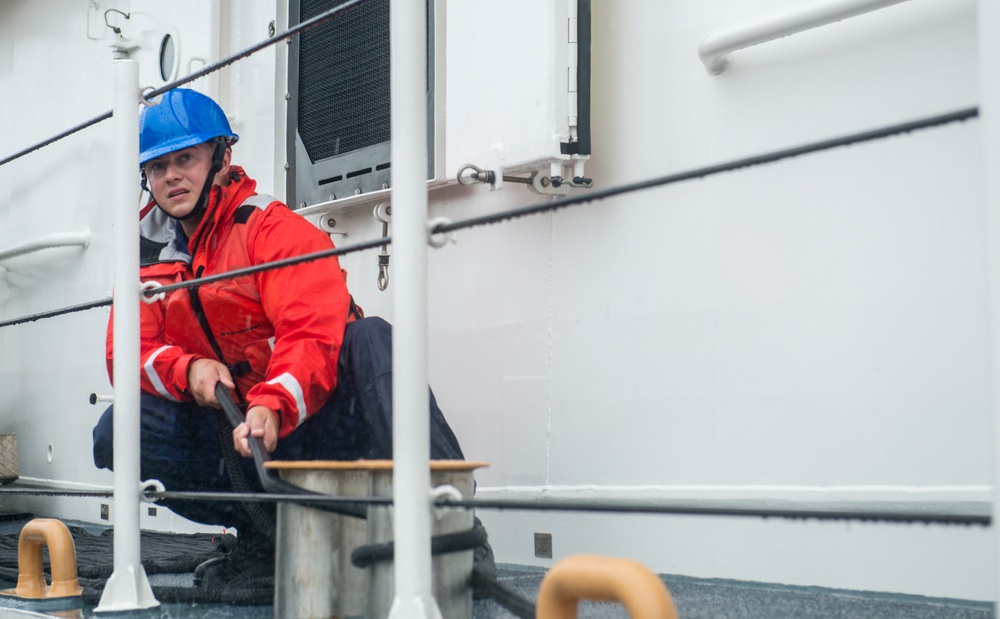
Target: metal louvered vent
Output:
{"points": [[343, 100], [339, 115]]}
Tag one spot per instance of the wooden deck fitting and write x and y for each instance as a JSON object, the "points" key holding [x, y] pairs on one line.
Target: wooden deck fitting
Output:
{"points": [[605, 579], [62, 561]]}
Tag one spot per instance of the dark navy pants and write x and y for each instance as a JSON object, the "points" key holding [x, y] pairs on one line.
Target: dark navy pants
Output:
{"points": [[180, 441]]}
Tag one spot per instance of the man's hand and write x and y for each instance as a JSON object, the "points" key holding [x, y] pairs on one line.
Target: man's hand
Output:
{"points": [[203, 374], [261, 422]]}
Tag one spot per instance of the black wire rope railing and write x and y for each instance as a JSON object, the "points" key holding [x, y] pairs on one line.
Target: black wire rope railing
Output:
{"points": [[207, 69], [552, 205], [594, 506]]}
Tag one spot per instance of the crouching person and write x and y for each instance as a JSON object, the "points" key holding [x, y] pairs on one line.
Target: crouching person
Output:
{"points": [[313, 375]]}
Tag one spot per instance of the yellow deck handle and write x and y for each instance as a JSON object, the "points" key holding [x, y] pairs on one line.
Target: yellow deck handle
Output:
{"points": [[606, 579], [62, 561]]}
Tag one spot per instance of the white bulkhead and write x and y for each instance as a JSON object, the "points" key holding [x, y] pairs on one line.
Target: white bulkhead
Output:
{"points": [[812, 331]]}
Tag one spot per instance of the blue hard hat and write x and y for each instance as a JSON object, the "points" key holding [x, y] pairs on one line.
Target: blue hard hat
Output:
{"points": [[183, 118]]}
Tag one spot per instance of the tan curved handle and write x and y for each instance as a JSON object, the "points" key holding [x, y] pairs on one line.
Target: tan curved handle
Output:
{"points": [[62, 560], [606, 579]]}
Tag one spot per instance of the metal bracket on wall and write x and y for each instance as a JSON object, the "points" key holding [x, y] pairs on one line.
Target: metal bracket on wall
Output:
{"points": [[538, 182]]}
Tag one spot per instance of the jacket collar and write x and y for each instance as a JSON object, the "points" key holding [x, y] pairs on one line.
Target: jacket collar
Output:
{"points": [[223, 200]]}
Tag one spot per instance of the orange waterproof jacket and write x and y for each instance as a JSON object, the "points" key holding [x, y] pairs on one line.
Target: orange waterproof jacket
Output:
{"points": [[279, 331]]}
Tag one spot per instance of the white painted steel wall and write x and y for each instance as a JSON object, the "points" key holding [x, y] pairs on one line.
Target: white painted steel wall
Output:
{"points": [[814, 329]]}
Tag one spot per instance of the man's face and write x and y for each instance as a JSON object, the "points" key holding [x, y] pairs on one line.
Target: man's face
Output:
{"points": [[176, 179]]}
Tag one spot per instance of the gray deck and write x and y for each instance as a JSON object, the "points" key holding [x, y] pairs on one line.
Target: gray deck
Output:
{"points": [[695, 598]]}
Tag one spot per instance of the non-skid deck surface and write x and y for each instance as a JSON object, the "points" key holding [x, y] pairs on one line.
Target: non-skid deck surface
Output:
{"points": [[695, 598]]}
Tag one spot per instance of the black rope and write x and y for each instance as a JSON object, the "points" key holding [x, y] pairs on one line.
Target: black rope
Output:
{"points": [[268, 266], [729, 166], [608, 506], [299, 28], [590, 196], [57, 137], [54, 492], [582, 198], [260, 517], [865, 136], [57, 312], [271, 482], [370, 554]]}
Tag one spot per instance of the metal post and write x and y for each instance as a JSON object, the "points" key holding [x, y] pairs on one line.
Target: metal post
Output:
{"points": [[411, 424], [128, 588]]}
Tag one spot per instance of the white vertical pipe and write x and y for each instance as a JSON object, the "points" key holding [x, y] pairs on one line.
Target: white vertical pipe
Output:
{"points": [[411, 422], [128, 588], [988, 16]]}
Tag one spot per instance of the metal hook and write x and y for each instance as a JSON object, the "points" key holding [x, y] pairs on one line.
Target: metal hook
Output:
{"points": [[150, 485], [143, 99], [383, 213], [149, 299], [438, 240], [383, 274]]}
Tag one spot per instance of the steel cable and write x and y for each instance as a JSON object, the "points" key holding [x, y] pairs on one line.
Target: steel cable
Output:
{"points": [[552, 205], [567, 505], [678, 508]]}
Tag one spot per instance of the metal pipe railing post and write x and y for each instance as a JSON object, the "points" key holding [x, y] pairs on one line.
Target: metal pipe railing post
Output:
{"points": [[128, 587], [411, 424]]}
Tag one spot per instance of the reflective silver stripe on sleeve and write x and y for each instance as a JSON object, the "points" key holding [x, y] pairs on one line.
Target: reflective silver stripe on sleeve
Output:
{"points": [[154, 377], [294, 389]]}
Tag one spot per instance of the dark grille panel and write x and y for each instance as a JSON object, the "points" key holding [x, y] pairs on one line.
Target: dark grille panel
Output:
{"points": [[344, 102]]}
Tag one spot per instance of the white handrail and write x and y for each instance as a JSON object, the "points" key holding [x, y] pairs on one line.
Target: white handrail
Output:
{"points": [[62, 239], [777, 24]]}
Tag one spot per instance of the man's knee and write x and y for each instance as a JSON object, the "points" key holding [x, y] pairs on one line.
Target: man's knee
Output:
{"points": [[366, 353], [368, 331]]}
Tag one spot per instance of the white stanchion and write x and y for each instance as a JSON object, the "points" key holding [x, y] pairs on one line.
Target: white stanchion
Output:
{"points": [[128, 588], [411, 425]]}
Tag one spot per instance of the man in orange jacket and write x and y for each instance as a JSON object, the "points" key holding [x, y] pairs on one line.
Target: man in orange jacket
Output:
{"points": [[312, 374]]}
